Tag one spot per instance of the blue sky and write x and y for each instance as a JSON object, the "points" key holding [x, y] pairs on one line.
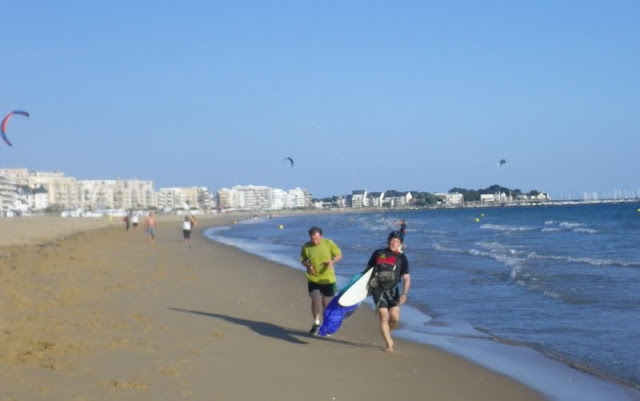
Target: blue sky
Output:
{"points": [[409, 95]]}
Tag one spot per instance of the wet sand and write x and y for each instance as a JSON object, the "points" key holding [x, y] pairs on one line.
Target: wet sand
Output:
{"points": [[95, 312]]}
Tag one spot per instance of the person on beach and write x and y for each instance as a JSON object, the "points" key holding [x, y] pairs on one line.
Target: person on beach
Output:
{"points": [[150, 226], [390, 267], [319, 256], [403, 228], [135, 220], [402, 223], [126, 220], [187, 226]]}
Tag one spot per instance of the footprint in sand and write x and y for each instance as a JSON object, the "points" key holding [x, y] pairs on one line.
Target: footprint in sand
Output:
{"points": [[168, 370], [130, 384], [217, 334]]}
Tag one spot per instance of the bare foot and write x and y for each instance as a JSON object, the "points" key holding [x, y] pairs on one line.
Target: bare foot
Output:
{"points": [[388, 349]]}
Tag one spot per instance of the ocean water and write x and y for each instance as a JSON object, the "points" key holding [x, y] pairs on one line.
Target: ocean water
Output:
{"points": [[548, 295]]}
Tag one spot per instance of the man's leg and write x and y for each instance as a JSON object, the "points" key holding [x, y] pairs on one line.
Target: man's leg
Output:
{"points": [[385, 330], [325, 302], [394, 317], [316, 309]]}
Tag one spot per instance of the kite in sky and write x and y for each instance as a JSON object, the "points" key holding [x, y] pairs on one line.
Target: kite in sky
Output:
{"points": [[290, 160], [5, 121], [502, 162]]}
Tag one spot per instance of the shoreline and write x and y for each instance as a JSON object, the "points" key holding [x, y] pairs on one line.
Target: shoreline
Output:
{"points": [[105, 314], [505, 357]]}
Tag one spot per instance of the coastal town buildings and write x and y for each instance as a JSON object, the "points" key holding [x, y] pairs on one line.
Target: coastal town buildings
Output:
{"points": [[362, 198], [7, 194], [254, 197], [359, 198], [64, 192], [401, 199], [185, 198], [499, 197], [298, 198], [375, 199], [61, 190], [454, 198], [116, 194], [23, 191], [31, 198]]}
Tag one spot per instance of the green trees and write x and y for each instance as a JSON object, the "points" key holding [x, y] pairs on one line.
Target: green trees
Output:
{"points": [[423, 198]]}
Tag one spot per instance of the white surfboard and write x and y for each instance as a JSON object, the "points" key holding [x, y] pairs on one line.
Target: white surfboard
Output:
{"points": [[357, 292]]}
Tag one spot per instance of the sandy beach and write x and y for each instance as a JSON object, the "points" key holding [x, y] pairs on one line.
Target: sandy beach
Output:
{"points": [[90, 311]]}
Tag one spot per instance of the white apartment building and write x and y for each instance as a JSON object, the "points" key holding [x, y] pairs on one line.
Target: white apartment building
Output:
{"points": [[359, 198], [62, 191], [69, 193], [185, 198], [7, 194], [498, 197], [454, 198], [134, 194], [375, 199], [15, 175], [398, 201], [206, 200], [299, 198], [116, 194], [97, 194], [32, 198], [280, 199], [227, 198], [254, 197]]}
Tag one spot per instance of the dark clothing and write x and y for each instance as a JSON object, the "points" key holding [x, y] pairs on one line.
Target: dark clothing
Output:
{"points": [[403, 230], [328, 290], [386, 255], [386, 298], [390, 297]]}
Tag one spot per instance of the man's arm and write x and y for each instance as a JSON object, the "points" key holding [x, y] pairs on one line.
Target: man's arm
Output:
{"points": [[406, 284], [306, 262]]}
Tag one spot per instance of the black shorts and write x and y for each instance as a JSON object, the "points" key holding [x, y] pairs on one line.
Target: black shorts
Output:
{"points": [[328, 290], [186, 234], [386, 298]]}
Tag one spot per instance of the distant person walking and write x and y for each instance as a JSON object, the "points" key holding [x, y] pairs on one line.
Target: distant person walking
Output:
{"points": [[187, 227], [135, 220], [390, 267], [319, 256], [150, 226], [126, 220]]}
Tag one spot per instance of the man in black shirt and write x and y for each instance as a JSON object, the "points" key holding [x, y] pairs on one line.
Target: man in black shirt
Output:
{"points": [[390, 267]]}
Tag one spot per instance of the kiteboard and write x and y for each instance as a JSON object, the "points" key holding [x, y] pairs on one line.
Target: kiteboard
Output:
{"points": [[357, 292], [335, 313]]}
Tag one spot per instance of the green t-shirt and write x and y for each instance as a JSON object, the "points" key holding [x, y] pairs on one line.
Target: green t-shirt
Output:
{"points": [[319, 255]]}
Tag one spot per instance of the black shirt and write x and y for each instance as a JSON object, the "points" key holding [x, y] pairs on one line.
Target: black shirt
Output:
{"points": [[386, 255]]}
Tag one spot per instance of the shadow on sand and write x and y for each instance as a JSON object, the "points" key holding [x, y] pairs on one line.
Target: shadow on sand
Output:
{"points": [[272, 330]]}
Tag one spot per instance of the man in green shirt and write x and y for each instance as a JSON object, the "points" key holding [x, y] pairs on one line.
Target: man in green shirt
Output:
{"points": [[319, 255]]}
